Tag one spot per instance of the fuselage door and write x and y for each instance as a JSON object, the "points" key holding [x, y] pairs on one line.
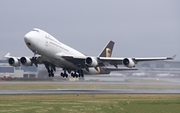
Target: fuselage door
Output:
{"points": [[47, 42]]}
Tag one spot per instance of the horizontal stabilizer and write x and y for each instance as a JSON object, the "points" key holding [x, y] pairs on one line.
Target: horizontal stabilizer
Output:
{"points": [[171, 58], [7, 55]]}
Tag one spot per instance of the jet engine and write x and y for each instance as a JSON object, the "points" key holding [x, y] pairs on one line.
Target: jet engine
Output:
{"points": [[91, 61], [13, 62], [128, 62], [26, 61]]}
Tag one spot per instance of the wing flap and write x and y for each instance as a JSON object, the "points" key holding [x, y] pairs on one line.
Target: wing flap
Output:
{"points": [[111, 60]]}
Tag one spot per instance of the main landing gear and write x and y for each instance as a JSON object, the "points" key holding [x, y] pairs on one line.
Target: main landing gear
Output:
{"points": [[51, 68], [78, 73], [64, 74]]}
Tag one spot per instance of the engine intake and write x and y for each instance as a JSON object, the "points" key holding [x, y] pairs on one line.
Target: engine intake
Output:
{"points": [[26, 61], [91, 61], [14, 62], [128, 62]]}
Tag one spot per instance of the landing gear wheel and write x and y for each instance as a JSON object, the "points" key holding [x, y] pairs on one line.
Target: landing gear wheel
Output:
{"points": [[73, 74], [50, 69], [64, 75], [81, 73], [51, 74]]}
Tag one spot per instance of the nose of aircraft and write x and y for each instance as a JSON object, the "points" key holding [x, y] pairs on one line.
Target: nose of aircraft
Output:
{"points": [[31, 38], [27, 38]]}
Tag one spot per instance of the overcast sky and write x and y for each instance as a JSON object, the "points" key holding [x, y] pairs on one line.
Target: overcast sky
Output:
{"points": [[140, 28]]}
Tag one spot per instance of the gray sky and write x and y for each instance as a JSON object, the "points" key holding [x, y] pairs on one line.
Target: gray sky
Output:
{"points": [[140, 28]]}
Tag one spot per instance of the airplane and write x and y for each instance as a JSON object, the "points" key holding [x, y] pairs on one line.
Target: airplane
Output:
{"points": [[53, 53], [106, 52]]}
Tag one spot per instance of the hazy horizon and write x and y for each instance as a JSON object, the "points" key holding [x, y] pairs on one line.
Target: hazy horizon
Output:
{"points": [[138, 28]]}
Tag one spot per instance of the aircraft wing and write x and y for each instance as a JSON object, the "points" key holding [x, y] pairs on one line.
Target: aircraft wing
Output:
{"points": [[27, 61], [102, 61], [9, 56], [119, 61], [155, 58], [76, 60]]}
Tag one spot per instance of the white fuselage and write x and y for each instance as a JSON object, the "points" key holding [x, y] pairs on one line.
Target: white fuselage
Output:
{"points": [[52, 50]]}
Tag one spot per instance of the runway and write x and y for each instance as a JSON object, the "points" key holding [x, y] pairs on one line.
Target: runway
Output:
{"points": [[129, 91], [128, 86]]}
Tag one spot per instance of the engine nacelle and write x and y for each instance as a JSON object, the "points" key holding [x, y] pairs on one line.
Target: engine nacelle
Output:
{"points": [[91, 61], [128, 62], [26, 61], [13, 61]]}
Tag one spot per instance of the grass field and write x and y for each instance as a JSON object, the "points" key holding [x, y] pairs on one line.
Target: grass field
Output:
{"points": [[123, 103]]}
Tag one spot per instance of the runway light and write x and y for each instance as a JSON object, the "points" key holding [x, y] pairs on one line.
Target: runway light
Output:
{"points": [[157, 79]]}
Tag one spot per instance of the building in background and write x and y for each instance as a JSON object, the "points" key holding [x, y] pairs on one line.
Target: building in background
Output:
{"points": [[20, 72]]}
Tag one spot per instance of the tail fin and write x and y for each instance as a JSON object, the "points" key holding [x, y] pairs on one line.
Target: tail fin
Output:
{"points": [[107, 51]]}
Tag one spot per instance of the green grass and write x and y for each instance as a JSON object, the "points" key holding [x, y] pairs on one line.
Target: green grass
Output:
{"points": [[124, 103]]}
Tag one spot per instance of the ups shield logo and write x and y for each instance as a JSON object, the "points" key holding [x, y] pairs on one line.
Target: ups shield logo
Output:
{"points": [[108, 52]]}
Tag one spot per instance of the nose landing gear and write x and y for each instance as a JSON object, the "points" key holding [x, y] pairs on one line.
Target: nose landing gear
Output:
{"points": [[51, 74], [50, 69]]}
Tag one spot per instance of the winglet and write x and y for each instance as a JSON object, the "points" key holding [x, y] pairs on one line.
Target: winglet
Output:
{"points": [[7, 55], [171, 58]]}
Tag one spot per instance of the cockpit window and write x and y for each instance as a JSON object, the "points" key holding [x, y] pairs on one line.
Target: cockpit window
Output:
{"points": [[29, 44], [35, 30]]}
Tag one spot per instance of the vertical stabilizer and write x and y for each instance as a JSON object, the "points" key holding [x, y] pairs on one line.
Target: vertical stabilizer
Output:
{"points": [[107, 51]]}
